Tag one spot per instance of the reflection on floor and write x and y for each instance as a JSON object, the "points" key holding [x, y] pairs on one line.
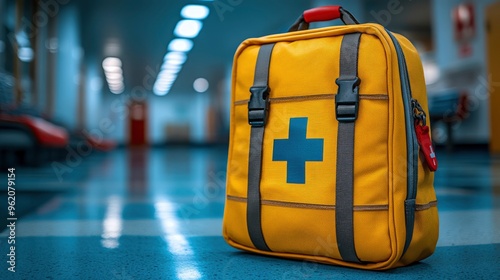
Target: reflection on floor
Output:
{"points": [[156, 214]]}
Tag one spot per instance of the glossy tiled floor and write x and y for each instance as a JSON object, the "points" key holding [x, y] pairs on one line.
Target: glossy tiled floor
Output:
{"points": [[156, 214]]}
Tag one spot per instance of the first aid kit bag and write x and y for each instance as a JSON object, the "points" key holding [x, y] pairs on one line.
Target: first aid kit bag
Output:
{"points": [[330, 156]]}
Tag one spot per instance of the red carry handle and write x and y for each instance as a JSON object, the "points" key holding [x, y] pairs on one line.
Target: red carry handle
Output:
{"points": [[324, 13]]}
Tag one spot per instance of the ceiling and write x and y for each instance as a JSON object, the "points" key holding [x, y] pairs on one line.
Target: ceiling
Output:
{"points": [[143, 29], [139, 32]]}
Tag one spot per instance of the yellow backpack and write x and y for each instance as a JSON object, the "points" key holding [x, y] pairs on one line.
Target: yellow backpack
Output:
{"points": [[330, 157]]}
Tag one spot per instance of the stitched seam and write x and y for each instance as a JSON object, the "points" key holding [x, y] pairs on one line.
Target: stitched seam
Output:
{"points": [[309, 205], [315, 97], [421, 207]]}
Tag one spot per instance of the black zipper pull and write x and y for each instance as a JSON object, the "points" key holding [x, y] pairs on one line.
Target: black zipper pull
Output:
{"points": [[418, 112]]}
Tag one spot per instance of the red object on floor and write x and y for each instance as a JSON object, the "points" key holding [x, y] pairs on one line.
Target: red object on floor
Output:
{"points": [[102, 145], [46, 133]]}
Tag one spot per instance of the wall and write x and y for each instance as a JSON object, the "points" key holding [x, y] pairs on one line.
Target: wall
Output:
{"points": [[475, 129], [68, 66], [2, 42], [93, 94], [179, 108], [42, 74], [112, 109]]}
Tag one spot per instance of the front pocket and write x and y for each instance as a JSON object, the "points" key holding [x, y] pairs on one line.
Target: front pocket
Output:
{"points": [[298, 215]]}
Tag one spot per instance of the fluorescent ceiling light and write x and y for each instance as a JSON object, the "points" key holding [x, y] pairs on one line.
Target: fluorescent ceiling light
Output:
{"points": [[114, 75], [201, 85], [160, 92], [175, 56], [167, 66], [180, 45], [167, 79], [25, 54], [113, 69], [172, 59], [163, 87], [116, 86], [117, 90], [52, 45], [195, 11], [116, 83], [432, 73], [188, 28], [169, 71], [175, 62], [165, 82], [172, 63], [111, 62]]}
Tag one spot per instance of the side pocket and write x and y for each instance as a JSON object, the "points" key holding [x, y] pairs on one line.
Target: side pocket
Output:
{"points": [[425, 233], [426, 224]]}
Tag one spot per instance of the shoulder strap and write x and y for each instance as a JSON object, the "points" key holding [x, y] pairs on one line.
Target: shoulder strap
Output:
{"points": [[346, 108], [258, 108]]}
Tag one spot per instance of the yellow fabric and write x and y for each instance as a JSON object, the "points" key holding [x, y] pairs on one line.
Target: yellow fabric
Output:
{"points": [[298, 220]]}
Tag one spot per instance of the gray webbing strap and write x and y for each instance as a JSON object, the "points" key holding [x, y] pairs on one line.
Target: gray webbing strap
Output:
{"points": [[346, 105], [258, 107]]}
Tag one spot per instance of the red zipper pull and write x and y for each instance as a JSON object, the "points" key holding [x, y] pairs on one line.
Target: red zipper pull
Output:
{"points": [[423, 136], [426, 145]]}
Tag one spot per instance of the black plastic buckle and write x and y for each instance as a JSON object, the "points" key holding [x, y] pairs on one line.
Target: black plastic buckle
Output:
{"points": [[258, 106], [347, 100]]}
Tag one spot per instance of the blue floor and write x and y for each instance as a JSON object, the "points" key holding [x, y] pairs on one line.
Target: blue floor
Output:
{"points": [[156, 214]]}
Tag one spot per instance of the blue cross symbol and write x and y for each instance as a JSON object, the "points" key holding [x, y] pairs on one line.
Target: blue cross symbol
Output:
{"points": [[296, 150]]}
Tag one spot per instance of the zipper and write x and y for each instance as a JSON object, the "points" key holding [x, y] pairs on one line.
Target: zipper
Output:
{"points": [[412, 144]]}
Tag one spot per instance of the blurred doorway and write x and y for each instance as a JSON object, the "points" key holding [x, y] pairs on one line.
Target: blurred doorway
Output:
{"points": [[138, 123]]}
